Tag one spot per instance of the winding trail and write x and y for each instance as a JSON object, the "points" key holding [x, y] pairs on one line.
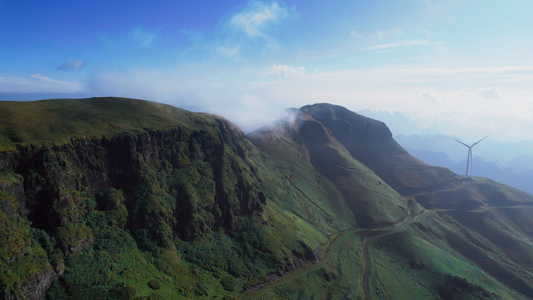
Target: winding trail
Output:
{"points": [[414, 219], [366, 251], [332, 242], [336, 238]]}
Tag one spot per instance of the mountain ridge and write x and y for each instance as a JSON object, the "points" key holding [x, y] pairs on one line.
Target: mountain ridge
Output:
{"points": [[167, 203]]}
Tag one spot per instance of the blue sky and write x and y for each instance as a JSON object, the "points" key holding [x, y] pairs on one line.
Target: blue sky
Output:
{"points": [[462, 68]]}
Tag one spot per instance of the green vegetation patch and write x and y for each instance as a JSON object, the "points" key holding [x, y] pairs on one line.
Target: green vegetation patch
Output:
{"points": [[57, 121], [406, 264], [22, 259]]}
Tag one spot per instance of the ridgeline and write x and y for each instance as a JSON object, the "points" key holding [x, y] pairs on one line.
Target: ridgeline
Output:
{"points": [[113, 198]]}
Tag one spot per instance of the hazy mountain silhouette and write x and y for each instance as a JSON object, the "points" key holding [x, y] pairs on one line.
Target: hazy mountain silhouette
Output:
{"points": [[514, 172]]}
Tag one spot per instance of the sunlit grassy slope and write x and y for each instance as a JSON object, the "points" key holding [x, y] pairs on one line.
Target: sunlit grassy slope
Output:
{"points": [[309, 150], [57, 121], [452, 253]]}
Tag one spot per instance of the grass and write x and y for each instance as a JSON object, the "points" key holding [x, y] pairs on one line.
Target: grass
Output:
{"points": [[397, 276], [57, 121], [341, 265]]}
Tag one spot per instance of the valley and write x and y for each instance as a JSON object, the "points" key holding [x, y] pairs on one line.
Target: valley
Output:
{"points": [[336, 239]]}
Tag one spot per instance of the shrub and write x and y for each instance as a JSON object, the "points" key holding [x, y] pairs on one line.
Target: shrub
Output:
{"points": [[109, 199], [8, 203], [14, 237], [123, 291], [119, 216], [228, 283], [89, 268], [75, 237], [154, 284]]}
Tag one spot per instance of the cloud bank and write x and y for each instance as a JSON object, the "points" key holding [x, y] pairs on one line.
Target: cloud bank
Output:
{"points": [[253, 103]]}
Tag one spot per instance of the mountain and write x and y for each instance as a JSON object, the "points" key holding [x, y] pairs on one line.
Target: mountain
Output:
{"points": [[513, 169], [506, 162], [113, 198]]}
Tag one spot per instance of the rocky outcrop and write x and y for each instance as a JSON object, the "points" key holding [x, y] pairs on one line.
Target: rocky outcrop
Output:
{"points": [[55, 179], [189, 181]]}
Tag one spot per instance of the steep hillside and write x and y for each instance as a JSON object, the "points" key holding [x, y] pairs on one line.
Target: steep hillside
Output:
{"points": [[371, 142], [111, 198], [372, 201], [173, 207], [473, 237]]}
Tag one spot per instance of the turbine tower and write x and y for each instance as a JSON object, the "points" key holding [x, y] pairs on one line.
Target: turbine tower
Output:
{"points": [[469, 157]]}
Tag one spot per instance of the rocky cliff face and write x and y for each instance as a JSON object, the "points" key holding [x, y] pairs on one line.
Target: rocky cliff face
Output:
{"points": [[159, 183], [53, 180]]}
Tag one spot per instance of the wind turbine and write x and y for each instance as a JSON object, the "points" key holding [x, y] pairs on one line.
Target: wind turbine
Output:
{"points": [[469, 157]]}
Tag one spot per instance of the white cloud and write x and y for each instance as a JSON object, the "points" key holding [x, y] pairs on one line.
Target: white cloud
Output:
{"points": [[404, 43], [233, 52], [355, 34], [427, 96], [256, 17], [143, 37], [388, 33], [37, 83], [193, 88], [285, 72], [490, 93], [71, 65], [450, 99]]}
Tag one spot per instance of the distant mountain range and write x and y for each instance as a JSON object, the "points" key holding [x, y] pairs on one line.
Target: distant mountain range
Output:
{"points": [[509, 163], [114, 198], [516, 171]]}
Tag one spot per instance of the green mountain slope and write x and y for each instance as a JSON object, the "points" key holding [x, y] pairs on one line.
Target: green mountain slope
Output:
{"points": [[370, 142], [372, 202], [465, 242], [57, 121], [112, 198]]}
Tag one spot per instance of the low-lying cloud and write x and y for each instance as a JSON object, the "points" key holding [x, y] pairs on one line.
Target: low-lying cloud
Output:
{"points": [[255, 100], [254, 97]]}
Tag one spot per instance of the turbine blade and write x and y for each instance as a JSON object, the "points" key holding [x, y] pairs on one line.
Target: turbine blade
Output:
{"points": [[479, 141], [461, 143], [467, 162]]}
